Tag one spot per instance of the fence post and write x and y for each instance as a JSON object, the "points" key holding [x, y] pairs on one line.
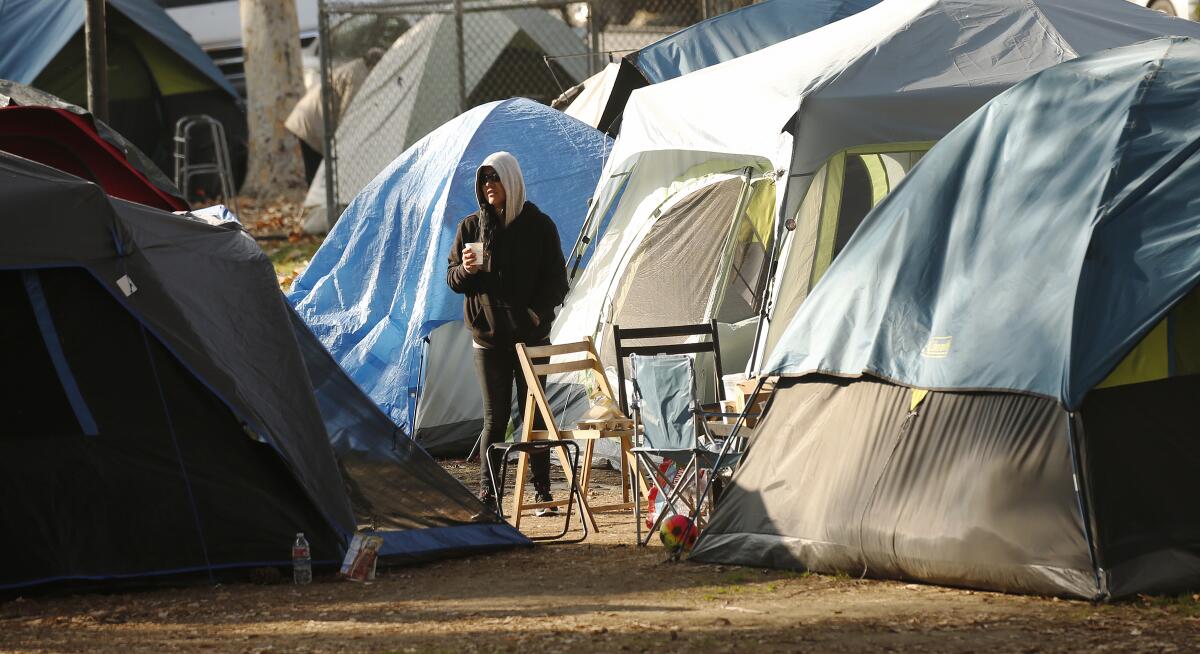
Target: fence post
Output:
{"points": [[462, 78], [96, 46], [595, 63], [326, 46]]}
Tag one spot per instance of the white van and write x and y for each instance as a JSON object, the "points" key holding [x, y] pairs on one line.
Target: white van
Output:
{"points": [[217, 26], [1181, 8]]}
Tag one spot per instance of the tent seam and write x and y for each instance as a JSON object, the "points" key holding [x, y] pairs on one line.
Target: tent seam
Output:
{"points": [[1103, 211]]}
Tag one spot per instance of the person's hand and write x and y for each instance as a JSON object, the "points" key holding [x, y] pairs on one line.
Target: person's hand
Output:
{"points": [[533, 317], [469, 263]]}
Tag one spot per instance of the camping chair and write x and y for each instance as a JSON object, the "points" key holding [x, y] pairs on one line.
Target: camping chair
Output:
{"points": [[673, 425], [536, 404], [651, 343]]}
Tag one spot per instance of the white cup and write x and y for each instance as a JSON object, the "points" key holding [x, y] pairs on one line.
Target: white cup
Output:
{"points": [[481, 259]]}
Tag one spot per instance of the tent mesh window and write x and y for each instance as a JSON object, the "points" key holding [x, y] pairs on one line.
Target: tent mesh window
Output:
{"points": [[675, 276], [842, 194]]}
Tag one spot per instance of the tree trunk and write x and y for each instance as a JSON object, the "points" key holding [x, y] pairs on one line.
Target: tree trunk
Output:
{"points": [[274, 83]]}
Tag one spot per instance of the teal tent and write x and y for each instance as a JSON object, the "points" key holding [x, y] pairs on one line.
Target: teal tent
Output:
{"points": [[994, 385]]}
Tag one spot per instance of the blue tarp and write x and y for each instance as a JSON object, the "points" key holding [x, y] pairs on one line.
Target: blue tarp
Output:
{"points": [[739, 32], [377, 287], [34, 31], [1032, 248]]}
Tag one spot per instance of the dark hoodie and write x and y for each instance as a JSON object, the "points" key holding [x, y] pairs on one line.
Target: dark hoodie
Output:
{"points": [[528, 276]]}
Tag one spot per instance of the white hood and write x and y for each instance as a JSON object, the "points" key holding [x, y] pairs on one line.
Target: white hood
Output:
{"points": [[509, 170]]}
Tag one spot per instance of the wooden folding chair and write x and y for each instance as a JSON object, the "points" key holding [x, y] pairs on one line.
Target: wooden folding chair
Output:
{"points": [[587, 432]]}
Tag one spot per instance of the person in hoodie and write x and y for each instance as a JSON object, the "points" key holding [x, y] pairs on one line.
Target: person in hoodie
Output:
{"points": [[510, 297]]}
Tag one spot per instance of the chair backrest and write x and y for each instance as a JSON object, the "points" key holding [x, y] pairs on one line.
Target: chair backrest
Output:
{"points": [[665, 386], [621, 338], [587, 360]]}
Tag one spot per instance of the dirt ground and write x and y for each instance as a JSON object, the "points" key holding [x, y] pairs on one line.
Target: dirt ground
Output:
{"points": [[602, 595]]}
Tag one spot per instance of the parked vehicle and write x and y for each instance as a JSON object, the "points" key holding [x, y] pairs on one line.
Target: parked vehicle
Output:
{"points": [[217, 26], [1181, 8]]}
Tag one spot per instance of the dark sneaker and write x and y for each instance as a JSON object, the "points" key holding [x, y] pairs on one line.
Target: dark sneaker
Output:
{"points": [[545, 496], [490, 510]]}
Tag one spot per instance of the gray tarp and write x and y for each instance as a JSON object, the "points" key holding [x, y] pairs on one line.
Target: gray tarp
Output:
{"points": [[969, 491]]}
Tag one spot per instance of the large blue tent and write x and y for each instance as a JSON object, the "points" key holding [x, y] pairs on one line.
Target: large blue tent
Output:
{"points": [[994, 385], [1082, 222], [375, 292]]}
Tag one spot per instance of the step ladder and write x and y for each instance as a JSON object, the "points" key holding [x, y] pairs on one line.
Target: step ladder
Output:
{"points": [[186, 147]]}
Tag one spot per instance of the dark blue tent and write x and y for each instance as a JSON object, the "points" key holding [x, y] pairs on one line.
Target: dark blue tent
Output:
{"points": [[35, 31], [736, 33], [1067, 202], [995, 384], [718, 39]]}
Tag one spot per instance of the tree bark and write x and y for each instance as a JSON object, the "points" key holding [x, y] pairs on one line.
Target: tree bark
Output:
{"points": [[274, 83]]}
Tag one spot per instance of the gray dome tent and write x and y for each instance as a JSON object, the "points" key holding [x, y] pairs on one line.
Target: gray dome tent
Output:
{"points": [[415, 87]]}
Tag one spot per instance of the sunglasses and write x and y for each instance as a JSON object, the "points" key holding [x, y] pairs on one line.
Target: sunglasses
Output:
{"points": [[489, 177]]}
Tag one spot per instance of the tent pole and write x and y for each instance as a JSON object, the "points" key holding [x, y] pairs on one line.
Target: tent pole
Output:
{"points": [[1081, 496], [594, 63], [733, 433], [97, 59]]}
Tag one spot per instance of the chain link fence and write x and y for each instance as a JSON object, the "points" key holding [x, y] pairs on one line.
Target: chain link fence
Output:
{"points": [[624, 26], [392, 71]]}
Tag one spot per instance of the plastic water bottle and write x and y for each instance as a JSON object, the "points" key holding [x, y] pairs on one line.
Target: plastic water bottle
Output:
{"points": [[301, 561]]}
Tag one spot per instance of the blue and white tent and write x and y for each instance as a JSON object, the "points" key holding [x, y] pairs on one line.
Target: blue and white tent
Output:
{"points": [[375, 293]]}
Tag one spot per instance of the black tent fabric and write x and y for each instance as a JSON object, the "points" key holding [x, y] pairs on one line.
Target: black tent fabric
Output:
{"points": [[138, 469], [160, 416], [393, 484]]}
